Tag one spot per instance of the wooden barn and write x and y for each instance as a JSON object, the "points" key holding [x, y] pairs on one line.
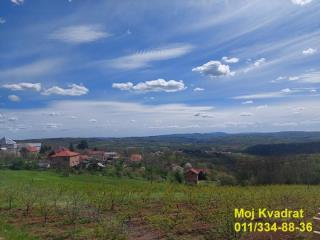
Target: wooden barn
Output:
{"points": [[193, 175]]}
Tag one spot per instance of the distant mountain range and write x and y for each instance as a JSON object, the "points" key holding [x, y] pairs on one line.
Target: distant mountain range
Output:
{"points": [[253, 143]]}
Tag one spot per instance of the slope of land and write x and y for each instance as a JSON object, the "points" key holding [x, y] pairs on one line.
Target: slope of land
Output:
{"points": [[48, 206]]}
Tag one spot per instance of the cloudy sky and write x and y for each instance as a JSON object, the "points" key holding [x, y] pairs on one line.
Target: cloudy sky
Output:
{"points": [[134, 68]]}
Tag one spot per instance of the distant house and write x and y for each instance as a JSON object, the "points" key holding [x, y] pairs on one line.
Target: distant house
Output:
{"points": [[193, 175], [65, 158], [135, 157], [28, 148], [111, 155], [33, 147], [98, 155], [7, 144]]}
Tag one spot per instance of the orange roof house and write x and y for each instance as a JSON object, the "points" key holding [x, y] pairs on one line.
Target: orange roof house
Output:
{"points": [[65, 158], [136, 158], [32, 149]]}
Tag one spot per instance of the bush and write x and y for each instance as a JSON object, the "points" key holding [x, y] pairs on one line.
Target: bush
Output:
{"points": [[225, 179]]}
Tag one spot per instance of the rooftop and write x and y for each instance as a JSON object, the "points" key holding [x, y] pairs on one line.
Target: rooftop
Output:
{"points": [[65, 153]]}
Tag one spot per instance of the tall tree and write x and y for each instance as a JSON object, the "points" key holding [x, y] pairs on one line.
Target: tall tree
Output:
{"points": [[83, 144], [71, 147]]}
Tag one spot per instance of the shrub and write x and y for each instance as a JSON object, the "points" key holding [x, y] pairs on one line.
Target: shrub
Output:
{"points": [[225, 179]]}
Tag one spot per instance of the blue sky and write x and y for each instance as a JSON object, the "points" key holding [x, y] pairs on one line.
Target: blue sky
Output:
{"points": [[134, 68]]}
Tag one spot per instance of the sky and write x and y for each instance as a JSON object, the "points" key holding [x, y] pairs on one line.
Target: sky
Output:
{"points": [[109, 68]]}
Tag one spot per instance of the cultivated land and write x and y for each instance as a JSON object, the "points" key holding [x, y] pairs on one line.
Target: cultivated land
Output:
{"points": [[46, 205]]}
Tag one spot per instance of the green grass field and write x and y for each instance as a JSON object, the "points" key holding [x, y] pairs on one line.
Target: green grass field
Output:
{"points": [[45, 205]]}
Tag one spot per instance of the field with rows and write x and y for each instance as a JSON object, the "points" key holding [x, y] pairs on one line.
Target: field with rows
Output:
{"points": [[46, 205]]}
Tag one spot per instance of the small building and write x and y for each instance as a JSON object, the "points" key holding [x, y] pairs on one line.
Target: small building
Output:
{"points": [[193, 175], [65, 158], [31, 149], [34, 147], [96, 154], [7, 144], [111, 156], [44, 164], [135, 158]]}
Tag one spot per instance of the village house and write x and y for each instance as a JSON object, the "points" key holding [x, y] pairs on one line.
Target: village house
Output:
{"points": [[193, 175], [8, 145], [111, 156], [135, 157], [64, 158], [30, 147], [32, 150], [96, 154]]}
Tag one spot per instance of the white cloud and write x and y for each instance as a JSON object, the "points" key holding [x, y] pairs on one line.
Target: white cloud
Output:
{"points": [[198, 89], [73, 90], [14, 98], [310, 77], [34, 69], [144, 58], [246, 114], [265, 95], [258, 63], [285, 124], [214, 69], [123, 86], [156, 119], [12, 119], [301, 2], [80, 34], [52, 125], [159, 85], [309, 51], [93, 120], [286, 90], [203, 115], [2, 20], [53, 114], [17, 2], [23, 86], [230, 60], [293, 78], [261, 106], [247, 102], [281, 78]]}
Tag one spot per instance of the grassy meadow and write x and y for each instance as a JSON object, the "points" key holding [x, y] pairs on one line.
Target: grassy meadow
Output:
{"points": [[46, 205]]}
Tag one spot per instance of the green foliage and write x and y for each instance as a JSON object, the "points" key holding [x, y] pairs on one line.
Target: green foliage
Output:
{"points": [[45, 149], [83, 145], [71, 147], [103, 207], [12, 233], [225, 179], [179, 177]]}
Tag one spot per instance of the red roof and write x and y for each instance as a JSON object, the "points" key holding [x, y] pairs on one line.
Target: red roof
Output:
{"points": [[193, 171], [135, 157], [197, 170], [200, 170], [65, 153], [32, 149]]}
